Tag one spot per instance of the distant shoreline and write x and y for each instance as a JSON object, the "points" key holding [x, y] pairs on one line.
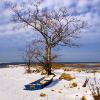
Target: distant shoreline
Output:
{"points": [[56, 65], [18, 63]]}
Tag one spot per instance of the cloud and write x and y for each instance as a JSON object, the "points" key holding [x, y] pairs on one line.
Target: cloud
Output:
{"points": [[88, 9]]}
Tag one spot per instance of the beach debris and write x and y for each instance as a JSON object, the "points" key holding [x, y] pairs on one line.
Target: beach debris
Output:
{"points": [[42, 94], [86, 82]]}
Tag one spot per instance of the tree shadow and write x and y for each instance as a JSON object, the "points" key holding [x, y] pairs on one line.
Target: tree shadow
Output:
{"points": [[54, 82]]}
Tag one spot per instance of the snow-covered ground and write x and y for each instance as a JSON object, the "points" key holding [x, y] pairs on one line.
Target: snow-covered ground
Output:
{"points": [[12, 81]]}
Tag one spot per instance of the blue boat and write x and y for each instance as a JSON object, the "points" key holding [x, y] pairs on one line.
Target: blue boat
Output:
{"points": [[39, 84]]}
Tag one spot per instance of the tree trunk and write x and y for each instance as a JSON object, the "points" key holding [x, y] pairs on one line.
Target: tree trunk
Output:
{"points": [[48, 59], [29, 66]]}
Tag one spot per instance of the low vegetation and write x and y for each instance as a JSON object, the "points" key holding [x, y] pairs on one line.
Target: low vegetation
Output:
{"points": [[84, 98], [75, 65], [94, 87], [29, 71], [79, 70], [96, 65], [67, 77], [74, 84], [57, 66]]}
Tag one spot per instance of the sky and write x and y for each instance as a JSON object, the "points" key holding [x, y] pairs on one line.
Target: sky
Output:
{"points": [[12, 42]]}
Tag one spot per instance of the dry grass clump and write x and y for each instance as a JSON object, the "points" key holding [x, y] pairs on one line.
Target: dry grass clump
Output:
{"points": [[57, 66], [29, 71], [94, 87], [79, 70], [52, 90], [76, 65], [95, 90], [42, 94], [44, 72], [67, 69], [94, 71], [67, 77], [96, 97], [96, 65], [74, 84], [84, 98]]}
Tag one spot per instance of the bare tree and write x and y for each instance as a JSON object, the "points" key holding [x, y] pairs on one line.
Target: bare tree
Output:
{"points": [[29, 55], [40, 55], [57, 27]]}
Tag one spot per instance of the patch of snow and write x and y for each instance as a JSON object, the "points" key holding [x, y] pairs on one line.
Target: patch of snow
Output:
{"points": [[12, 81]]}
